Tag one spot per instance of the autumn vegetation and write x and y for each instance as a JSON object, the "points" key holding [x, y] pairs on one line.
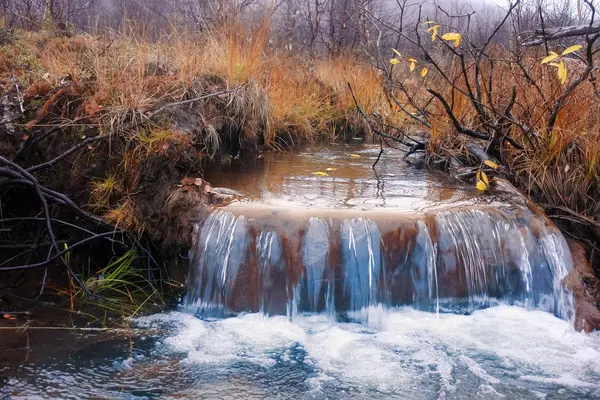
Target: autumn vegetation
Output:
{"points": [[145, 107]]}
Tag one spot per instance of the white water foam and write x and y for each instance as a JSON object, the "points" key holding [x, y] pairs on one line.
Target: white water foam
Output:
{"points": [[493, 352]]}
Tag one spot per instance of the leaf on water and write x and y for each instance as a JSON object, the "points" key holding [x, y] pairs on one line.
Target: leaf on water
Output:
{"points": [[551, 56], [394, 61], [562, 72], [452, 37], [571, 49], [355, 155], [434, 32], [424, 71], [428, 22], [320, 173], [331, 169], [397, 52], [481, 186], [491, 164]]}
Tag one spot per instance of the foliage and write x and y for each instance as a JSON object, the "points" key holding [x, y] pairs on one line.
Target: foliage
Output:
{"points": [[123, 285]]}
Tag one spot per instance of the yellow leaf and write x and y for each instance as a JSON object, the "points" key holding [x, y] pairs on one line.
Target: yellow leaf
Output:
{"points": [[394, 61], [481, 186], [554, 65], [320, 173], [424, 71], [412, 66], [562, 72], [355, 155], [571, 49], [484, 178], [428, 22], [397, 53], [434, 31], [331, 169], [491, 164], [452, 36], [481, 176], [551, 56]]}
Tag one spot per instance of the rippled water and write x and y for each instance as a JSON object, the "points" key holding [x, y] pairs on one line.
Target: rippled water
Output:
{"points": [[500, 351]]}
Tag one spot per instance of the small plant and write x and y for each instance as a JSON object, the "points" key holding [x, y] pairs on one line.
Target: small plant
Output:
{"points": [[125, 287], [103, 190]]}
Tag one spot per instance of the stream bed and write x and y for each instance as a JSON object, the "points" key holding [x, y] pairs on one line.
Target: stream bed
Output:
{"points": [[327, 280]]}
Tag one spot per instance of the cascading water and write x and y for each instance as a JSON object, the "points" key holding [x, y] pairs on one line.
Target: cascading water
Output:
{"points": [[458, 260]]}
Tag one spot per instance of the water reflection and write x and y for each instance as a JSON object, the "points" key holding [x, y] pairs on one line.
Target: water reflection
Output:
{"points": [[351, 182]]}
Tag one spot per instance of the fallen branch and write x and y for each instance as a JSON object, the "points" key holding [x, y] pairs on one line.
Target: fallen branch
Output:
{"points": [[548, 34]]}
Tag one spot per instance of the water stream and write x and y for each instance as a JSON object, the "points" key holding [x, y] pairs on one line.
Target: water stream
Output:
{"points": [[345, 284]]}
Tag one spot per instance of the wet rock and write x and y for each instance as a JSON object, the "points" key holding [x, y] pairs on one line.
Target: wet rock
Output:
{"points": [[584, 285], [10, 112]]}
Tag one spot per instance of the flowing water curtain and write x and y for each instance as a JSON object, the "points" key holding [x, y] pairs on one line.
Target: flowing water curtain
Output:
{"points": [[504, 260], [221, 250], [362, 266], [424, 270], [315, 290], [560, 262], [463, 259], [273, 281]]}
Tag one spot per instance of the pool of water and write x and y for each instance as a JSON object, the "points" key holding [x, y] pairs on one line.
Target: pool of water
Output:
{"points": [[498, 352], [338, 176]]}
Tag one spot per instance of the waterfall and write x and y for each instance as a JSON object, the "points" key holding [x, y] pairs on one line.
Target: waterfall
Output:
{"points": [[317, 274], [455, 260], [220, 251]]}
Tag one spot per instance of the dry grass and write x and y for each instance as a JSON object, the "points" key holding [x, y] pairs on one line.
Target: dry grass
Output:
{"points": [[124, 216], [279, 94]]}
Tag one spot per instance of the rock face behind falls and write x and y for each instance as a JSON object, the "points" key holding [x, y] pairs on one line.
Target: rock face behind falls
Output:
{"points": [[348, 263]]}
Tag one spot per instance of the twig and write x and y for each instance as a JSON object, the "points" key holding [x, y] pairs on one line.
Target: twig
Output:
{"points": [[14, 80]]}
